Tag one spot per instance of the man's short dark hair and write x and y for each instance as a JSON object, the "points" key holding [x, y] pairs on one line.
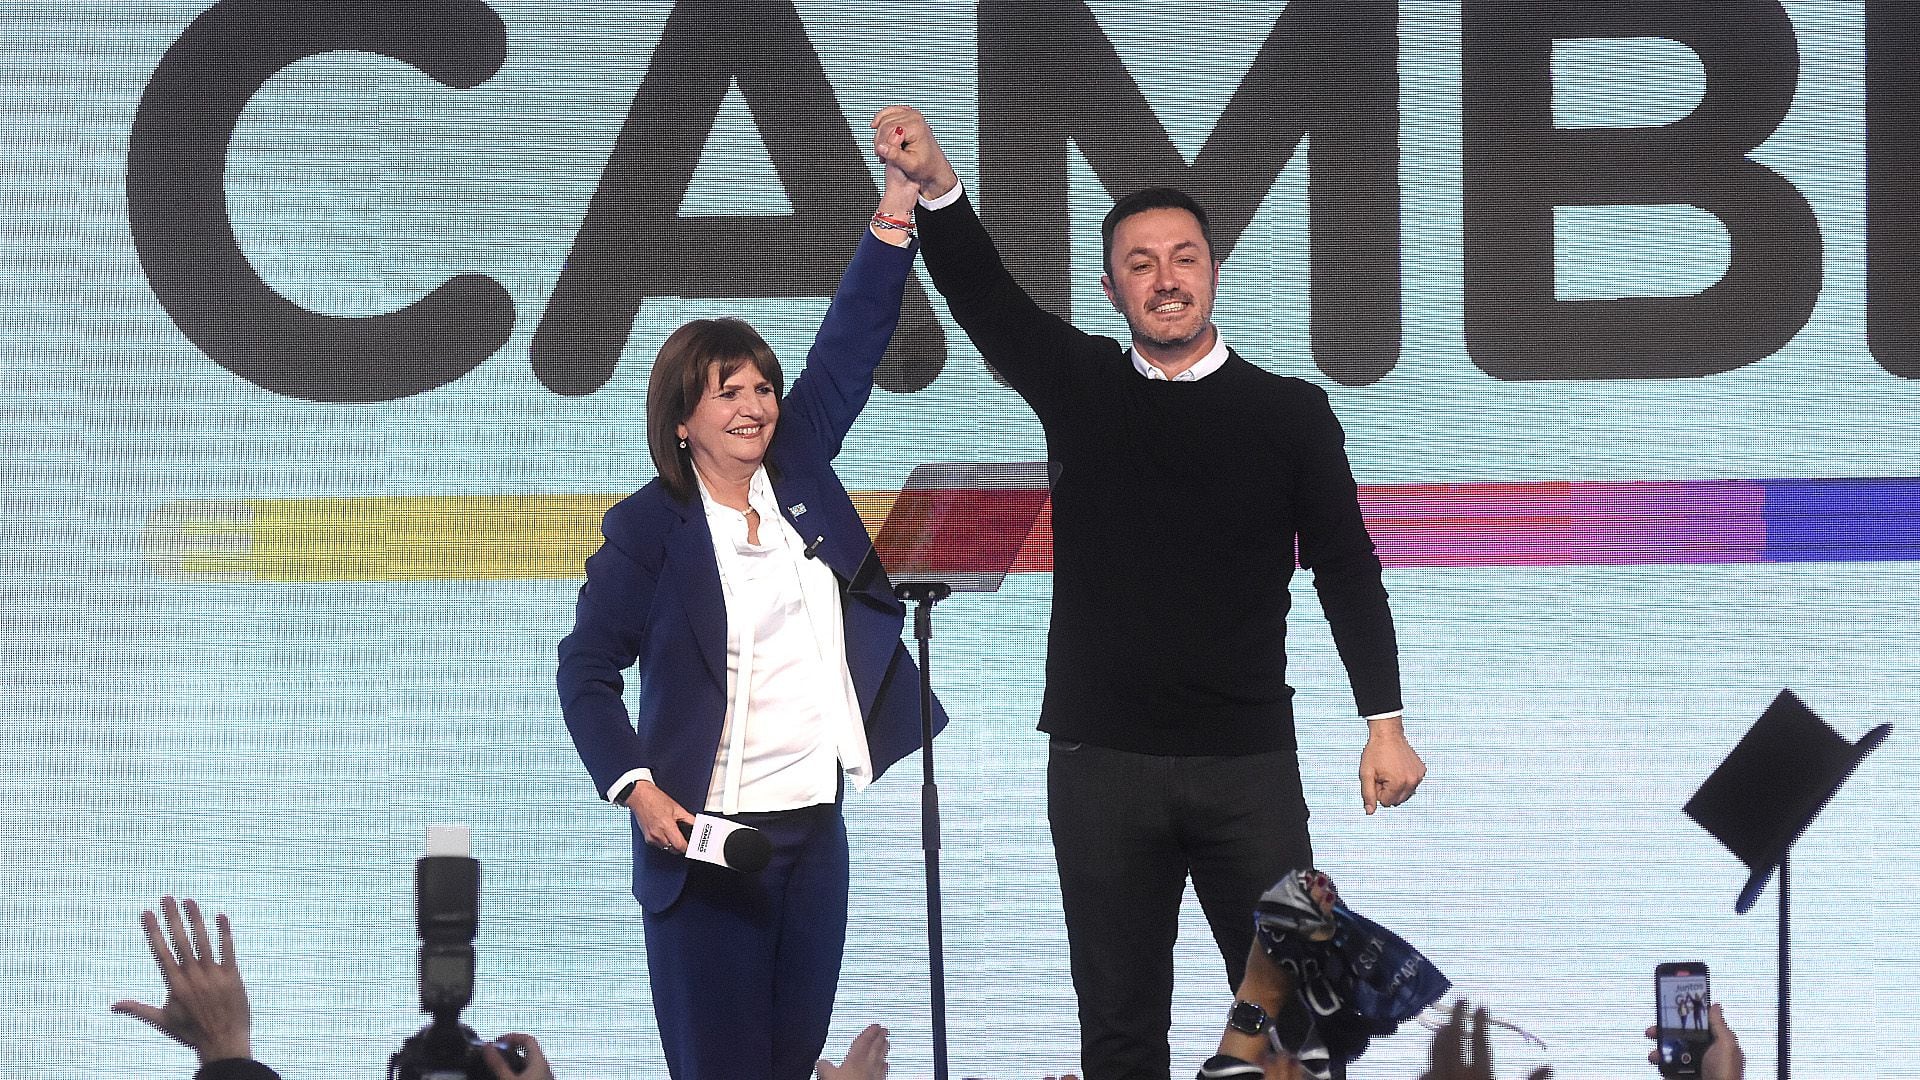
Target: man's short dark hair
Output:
{"points": [[1153, 198]]}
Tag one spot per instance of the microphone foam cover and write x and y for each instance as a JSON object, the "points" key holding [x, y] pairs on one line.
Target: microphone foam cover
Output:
{"points": [[748, 850]]}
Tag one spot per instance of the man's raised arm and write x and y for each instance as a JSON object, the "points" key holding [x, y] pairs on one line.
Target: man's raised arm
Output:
{"points": [[1020, 340]]}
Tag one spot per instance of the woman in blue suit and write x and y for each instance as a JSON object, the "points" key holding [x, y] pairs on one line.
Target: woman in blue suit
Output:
{"points": [[742, 584]]}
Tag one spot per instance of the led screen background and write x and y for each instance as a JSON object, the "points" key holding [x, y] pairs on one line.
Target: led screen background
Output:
{"points": [[1599, 581]]}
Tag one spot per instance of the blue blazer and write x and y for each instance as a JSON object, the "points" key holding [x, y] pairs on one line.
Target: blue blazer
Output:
{"points": [[652, 597]]}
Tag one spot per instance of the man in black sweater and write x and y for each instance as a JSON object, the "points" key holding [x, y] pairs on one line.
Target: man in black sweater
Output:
{"points": [[1184, 482]]}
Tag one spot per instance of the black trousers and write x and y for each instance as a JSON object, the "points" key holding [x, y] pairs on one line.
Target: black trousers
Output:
{"points": [[1128, 830]]}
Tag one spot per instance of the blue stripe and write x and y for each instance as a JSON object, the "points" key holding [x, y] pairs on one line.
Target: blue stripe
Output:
{"points": [[1843, 520]]}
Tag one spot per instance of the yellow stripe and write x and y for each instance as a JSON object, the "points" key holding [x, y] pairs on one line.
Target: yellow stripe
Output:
{"points": [[391, 538]]}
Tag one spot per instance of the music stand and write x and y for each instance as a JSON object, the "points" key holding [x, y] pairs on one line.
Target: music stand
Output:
{"points": [[1764, 796], [954, 528]]}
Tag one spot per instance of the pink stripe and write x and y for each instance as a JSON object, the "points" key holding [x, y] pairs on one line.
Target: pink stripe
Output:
{"points": [[1556, 523], [1671, 521]]}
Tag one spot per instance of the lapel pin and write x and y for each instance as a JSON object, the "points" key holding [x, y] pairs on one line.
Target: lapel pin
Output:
{"points": [[797, 509]]}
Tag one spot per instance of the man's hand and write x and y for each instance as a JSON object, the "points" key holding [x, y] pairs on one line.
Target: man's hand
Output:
{"points": [[1724, 1060], [206, 1007], [537, 1067], [901, 138], [660, 817], [1389, 769], [866, 1059], [1460, 1055]]}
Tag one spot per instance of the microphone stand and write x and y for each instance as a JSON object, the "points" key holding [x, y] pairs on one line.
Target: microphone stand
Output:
{"points": [[925, 594], [1781, 1040], [961, 528]]}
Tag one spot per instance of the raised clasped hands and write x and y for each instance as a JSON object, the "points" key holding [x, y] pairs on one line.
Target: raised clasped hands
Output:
{"points": [[898, 199], [902, 139]]}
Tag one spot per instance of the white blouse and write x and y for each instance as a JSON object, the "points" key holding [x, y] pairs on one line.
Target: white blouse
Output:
{"points": [[785, 739]]}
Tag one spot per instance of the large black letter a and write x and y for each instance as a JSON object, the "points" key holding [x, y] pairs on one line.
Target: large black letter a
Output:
{"points": [[634, 243]]}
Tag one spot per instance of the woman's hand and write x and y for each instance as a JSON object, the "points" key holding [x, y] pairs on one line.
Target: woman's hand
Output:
{"points": [[660, 817], [900, 195], [898, 200]]}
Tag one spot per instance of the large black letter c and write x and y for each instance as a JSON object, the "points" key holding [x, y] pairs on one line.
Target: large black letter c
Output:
{"points": [[176, 200]]}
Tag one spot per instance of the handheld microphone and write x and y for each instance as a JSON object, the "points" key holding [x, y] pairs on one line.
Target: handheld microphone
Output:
{"points": [[726, 843], [813, 550]]}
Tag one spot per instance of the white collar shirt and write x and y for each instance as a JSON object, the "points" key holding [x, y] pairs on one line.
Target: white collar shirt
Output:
{"points": [[1203, 367]]}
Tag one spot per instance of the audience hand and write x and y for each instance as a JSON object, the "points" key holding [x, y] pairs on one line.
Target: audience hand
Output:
{"points": [[1724, 1061], [206, 1006], [866, 1059], [537, 1067], [1267, 986], [1460, 1054]]}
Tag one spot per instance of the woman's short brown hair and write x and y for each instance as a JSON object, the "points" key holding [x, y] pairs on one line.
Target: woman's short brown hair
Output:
{"points": [[679, 380]]}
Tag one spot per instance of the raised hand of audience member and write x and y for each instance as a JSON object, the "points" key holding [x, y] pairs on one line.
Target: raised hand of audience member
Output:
{"points": [[866, 1058], [1268, 987], [206, 1006], [1462, 1052]]}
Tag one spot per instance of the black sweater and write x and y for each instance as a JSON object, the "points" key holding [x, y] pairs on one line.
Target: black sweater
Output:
{"points": [[235, 1069], [1177, 508]]}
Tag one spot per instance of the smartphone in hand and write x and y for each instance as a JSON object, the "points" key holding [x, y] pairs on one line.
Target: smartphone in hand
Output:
{"points": [[1682, 1000]]}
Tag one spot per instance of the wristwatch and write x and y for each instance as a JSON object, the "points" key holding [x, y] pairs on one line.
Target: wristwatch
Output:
{"points": [[1248, 1018]]}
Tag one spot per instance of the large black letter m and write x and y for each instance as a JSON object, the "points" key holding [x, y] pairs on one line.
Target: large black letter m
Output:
{"points": [[1049, 76]]}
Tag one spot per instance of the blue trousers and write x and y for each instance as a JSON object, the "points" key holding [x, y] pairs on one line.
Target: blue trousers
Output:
{"points": [[743, 967]]}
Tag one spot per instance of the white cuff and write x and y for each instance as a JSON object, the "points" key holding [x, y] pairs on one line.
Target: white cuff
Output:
{"points": [[951, 196], [628, 777], [1394, 715]]}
